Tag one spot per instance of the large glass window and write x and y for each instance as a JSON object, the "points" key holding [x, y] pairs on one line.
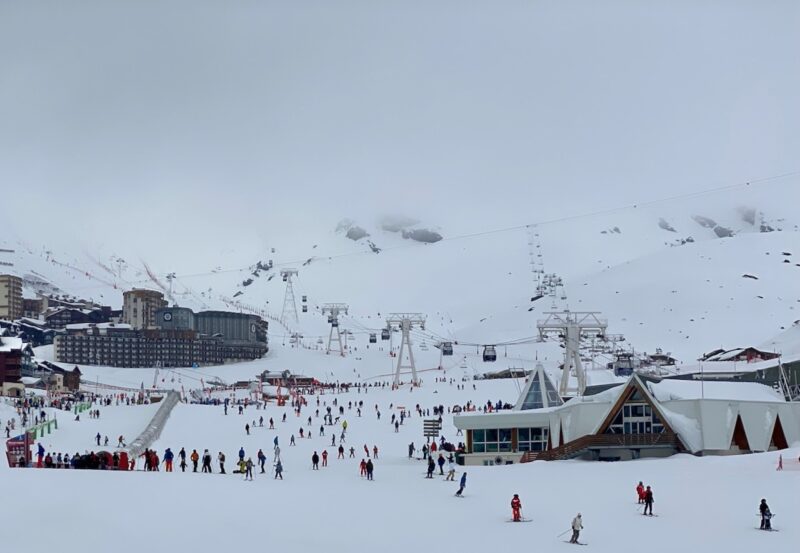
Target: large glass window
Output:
{"points": [[636, 418], [491, 440], [532, 439]]}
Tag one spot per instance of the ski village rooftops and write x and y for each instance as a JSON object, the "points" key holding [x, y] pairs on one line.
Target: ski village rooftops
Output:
{"points": [[636, 419]]}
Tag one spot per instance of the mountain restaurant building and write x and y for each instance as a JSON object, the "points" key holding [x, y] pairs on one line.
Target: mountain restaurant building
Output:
{"points": [[632, 420]]}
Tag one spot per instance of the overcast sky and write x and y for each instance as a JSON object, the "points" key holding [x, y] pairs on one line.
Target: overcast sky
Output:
{"points": [[213, 120]]}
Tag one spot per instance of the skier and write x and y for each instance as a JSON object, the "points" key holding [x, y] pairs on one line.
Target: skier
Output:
{"points": [[315, 461], [207, 462], [121, 442], [411, 450], [462, 484], [375, 452], [194, 457], [341, 452], [451, 470], [431, 467], [168, 457], [766, 515], [247, 428], [278, 470], [221, 460], [248, 469], [363, 467], [291, 440], [98, 438], [277, 452], [440, 462], [370, 468], [648, 501], [516, 506], [324, 457], [261, 460], [577, 526], [241, 453], [640, 492]]}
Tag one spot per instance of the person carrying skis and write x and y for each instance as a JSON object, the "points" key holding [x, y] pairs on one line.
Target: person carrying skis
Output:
{"points": [[640, 492], [648, 501], [766, 515], [516, 506], [577, 526], [462, 484]]}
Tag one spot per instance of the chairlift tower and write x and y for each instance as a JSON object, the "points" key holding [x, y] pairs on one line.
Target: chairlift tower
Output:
{"points": [[289, 303], [405, 322], [333, 310], [569, 326]]}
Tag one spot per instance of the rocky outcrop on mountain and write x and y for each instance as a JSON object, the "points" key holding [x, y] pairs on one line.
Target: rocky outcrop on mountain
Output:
{"points": [[663, 223], [705, 222], [423, 235], [356, 233], [723, 232]]}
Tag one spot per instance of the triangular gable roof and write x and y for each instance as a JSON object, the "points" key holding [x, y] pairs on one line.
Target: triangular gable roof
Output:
{"points": [[778, 439], [635, 387], [739, 436]]}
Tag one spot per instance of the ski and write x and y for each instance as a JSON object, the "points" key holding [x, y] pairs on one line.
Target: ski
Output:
{"points": [[521, 520], [576, 543]]}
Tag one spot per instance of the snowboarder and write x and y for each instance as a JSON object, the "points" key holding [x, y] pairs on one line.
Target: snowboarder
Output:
{"points": [[577, 526], [648, 501], [516, 506], [462, 484], [766, 515]]}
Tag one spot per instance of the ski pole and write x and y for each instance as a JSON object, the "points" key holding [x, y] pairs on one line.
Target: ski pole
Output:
{"points": [[562, 533]]}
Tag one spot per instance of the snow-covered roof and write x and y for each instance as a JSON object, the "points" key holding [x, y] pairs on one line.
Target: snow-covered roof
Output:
{"points": [[8, 344], [669, 390], [30, 380], [84, 326]]}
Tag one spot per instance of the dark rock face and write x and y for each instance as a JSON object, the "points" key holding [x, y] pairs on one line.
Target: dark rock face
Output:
{"points": [[723, 232], [356, 233], [422, 235], [665, 225], [704, 222]]}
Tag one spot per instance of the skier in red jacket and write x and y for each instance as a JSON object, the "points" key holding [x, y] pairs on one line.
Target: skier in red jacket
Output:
{"points": [[640, 492], [516, 506]]}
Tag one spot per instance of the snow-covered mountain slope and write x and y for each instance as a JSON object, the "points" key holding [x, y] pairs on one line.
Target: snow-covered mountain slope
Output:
{"points": [[664, 275]]}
